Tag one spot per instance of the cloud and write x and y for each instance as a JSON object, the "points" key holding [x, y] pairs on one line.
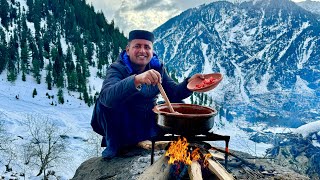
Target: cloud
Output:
{"points": [[141, 14], [146, 4], [144, 14], [108, 7]]}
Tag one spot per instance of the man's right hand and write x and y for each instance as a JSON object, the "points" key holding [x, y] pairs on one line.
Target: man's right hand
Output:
{"points": [[149, 77]]}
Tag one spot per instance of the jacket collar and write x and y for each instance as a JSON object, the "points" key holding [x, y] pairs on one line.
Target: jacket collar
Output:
{"points": [[153, 64]]}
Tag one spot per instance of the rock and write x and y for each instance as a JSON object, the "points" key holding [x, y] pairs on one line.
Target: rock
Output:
{"points": [[297, 153], [132, 164], [128, 165]]}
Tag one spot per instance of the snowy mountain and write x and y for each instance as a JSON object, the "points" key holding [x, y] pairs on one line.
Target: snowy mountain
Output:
{"points": [[309, 5], [268, 52]]}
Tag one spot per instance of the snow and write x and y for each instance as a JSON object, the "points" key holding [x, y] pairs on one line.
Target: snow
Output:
{"points": [[73, 117], [306, 52], [307, 129], [207, 64], [301, 87], [239, 139], [294, 36]]}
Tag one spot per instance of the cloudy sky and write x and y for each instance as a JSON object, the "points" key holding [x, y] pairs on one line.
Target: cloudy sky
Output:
{"points": [[143, 14]]}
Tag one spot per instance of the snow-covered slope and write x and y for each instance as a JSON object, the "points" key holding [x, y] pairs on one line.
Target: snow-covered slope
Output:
{"points": [[17, 106]]}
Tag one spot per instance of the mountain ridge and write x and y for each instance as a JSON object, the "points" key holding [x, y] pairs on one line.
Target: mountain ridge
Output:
{"points": [[268, 53], [256, 52]]}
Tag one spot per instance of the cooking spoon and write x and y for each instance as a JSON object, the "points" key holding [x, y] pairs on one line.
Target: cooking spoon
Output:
{"points": [[165, 97]]}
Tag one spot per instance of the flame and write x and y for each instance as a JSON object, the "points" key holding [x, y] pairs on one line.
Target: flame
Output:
{"points": [[178, 151], [206, 157], [195, 155]]}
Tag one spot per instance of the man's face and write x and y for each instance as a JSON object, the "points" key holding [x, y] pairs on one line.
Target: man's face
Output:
{"points": [[140, 52]]}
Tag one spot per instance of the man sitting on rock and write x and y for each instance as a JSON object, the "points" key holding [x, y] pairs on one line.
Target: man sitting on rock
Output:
{"points": [[123, 113]]}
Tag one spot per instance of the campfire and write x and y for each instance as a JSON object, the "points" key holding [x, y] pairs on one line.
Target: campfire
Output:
{"points": [[184, 160]]}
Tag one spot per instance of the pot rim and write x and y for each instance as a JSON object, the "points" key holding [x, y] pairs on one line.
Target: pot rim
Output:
{"points": [[156, 109]]}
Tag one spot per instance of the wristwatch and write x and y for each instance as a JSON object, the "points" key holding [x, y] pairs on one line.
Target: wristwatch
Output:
{"points": [[139, 87]]}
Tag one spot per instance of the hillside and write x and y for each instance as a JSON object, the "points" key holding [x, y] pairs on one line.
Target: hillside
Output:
{"points": [[53, 56], [57, 42]]}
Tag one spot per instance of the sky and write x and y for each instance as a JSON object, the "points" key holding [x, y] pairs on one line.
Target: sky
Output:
{"points": [[144, 14]]}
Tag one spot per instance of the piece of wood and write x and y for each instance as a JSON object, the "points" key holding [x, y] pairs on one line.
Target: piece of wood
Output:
{"points": [[194, 171], [216, 155], [218, 170], [158, 171], [165, 97]]}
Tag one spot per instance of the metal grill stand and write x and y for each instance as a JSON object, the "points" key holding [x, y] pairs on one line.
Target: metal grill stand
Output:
{"points": [[203, 137]]}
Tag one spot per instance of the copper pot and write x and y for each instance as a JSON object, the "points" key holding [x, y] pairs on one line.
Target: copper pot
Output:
{"points": [[191, 119]]}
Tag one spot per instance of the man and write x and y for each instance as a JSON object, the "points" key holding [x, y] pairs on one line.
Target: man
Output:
{"points": [[129, 92]]}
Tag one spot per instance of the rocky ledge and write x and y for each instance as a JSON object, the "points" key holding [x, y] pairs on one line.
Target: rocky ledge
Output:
{"points": [[132, 164]]}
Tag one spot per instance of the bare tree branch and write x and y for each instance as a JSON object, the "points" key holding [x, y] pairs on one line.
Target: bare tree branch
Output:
{"points": [[46, 146]]}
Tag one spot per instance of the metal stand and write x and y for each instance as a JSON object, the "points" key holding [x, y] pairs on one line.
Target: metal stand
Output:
{"points": [[205, 137]]}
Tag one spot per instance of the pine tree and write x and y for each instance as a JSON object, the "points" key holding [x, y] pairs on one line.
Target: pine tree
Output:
{"points": [[49, 76], [80, 78], [86, 96], [30, 12], [37, 16], [70, 71], [12, 61], [205, 101], [36, 64], [4, 13], [58, 67], [191, 98], [72, 80], [89, 53], [60, 97], [3, 51], [34, 93], [24, 29], [40, 50], [25, 58], [23, 77]]}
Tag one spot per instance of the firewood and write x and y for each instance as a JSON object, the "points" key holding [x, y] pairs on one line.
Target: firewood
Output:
{"points": [[219, 170], [160, 170], [194, 171], [216, 155]]}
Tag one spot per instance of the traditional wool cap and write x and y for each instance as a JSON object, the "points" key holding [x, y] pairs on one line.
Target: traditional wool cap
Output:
{"points": [[141, 34]]}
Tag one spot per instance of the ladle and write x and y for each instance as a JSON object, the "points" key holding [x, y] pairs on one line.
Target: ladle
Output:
{"points": [[165, 97]]}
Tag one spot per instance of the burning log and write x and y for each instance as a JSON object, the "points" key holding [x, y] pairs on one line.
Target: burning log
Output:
{"points": [[219, 170], [181, 160], [195, 171], [160, 170]]}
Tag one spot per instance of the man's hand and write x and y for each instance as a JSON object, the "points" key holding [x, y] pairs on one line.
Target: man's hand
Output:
{"points": [[149, 77], [196, 76]]}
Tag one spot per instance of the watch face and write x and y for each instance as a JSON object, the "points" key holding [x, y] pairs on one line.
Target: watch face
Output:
{"points": [[139, 87]]}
